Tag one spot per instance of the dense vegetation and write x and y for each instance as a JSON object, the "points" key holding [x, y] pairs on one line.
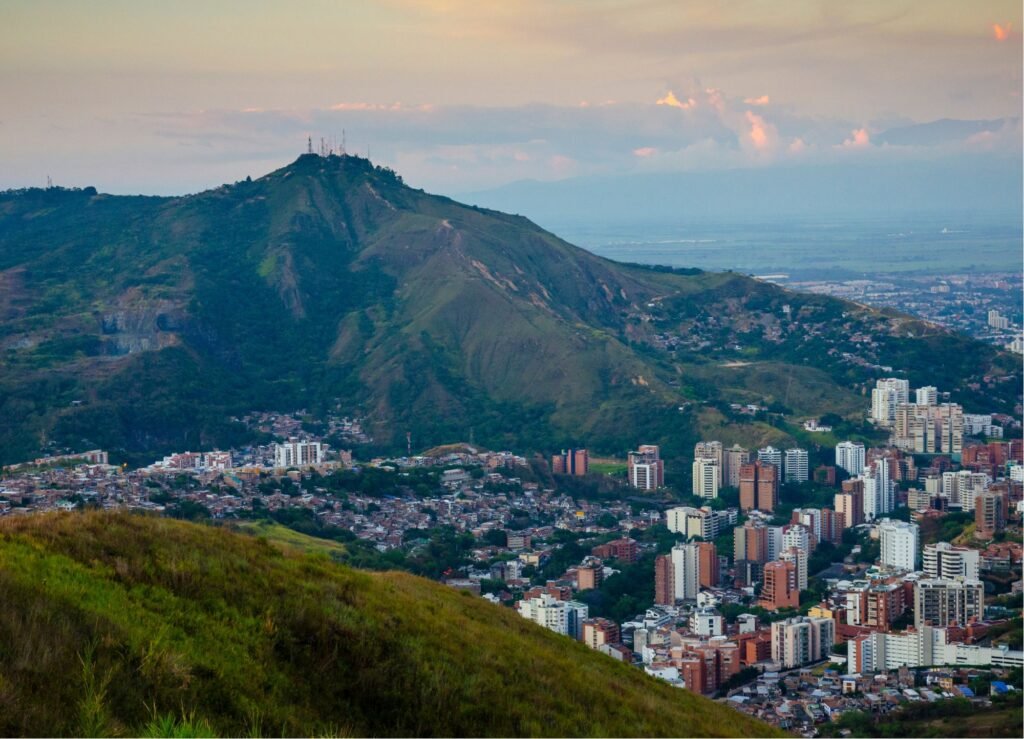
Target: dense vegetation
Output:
{"points": [[114, 624], [143, 325]]}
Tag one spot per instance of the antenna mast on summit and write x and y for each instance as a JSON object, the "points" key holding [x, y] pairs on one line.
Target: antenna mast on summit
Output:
{"points": [[343, 141], [309, 145]]}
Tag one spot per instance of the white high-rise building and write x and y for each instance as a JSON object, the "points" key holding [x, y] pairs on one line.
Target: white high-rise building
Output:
{"points": [[812, 519], [998, 320], [771, 455], [940, 603], [927, 395], [799, 560], [296, 453], [942, 560], [646, 469], [888, 393], [686, 569], [960, 488], [694, 522], [850, 457], [712, 450], [706, 474], [563, 617], [879, 492], [898, 544], [796, 465], [802, 640]]}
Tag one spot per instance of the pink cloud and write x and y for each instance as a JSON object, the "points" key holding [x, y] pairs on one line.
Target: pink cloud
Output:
{"points": [[1001, 32], [761, 133], [763, 100], [859, 139], [671, 100], [644, 151]]}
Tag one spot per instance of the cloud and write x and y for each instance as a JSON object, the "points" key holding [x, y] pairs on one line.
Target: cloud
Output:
{"points": [[859, 139], [671, 100], [1001, 32], [645, 151], [763, 100], [761, 133]]}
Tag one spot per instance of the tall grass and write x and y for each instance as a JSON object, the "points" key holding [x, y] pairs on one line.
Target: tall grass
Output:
{"points": [[122, 624]]}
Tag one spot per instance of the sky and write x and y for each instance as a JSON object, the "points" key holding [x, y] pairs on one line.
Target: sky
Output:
{"points": [[164, 97]]}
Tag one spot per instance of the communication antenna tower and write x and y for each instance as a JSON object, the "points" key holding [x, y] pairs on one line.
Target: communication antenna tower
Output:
{"points": [[49, 182], [343, 141], [309, 145]]}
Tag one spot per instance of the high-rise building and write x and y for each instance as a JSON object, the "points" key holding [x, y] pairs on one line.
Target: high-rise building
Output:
{"points": [[599, 631], [706, 474], [770, 455], [850, 456], [802, 640], [927, 395], [879, 490], [759, 486], [298, 453], [850, 502], [664, 581], [796, 465], [888, 393], [780, 588], [646, 469], [799, 559], [686, 571], [941, 603], [813, 519], [998, 320], [929, 429], [571, 462], [734, 457], [708, 571], [563, 617], [711, 450], [989, 515], [750, 542], [694, 522], [898, 541], [942, 560], [962, 487]]}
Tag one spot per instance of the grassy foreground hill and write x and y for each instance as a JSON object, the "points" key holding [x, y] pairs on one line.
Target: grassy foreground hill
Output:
{"points": [[142, 325], [117, 624]]}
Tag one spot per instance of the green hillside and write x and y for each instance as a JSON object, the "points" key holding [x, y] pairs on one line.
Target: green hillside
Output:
{"points": [[143, 325], [115, 624]]}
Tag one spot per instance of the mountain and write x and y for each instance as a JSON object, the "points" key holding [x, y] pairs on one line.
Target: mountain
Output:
{"points": [[117, 624], [144, 324], [985, 185]]}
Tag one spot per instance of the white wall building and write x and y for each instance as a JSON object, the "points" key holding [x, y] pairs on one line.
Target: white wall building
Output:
{"points": [[943, 560], [686, 569], [296, 453], [899, 541], [800, 641], [706, 474], [879, 491], [796, 464], [771, 455], [850, 457]]}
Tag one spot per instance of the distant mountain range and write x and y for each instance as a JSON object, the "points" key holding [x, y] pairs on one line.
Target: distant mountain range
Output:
{"points": [[143, 324], [986, 185]]}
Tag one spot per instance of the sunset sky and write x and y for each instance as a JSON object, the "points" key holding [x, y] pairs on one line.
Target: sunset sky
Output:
{"points": [[169, 97]]}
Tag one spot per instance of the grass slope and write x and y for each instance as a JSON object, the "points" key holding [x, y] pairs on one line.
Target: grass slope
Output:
{"points": [[120, 624]]}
